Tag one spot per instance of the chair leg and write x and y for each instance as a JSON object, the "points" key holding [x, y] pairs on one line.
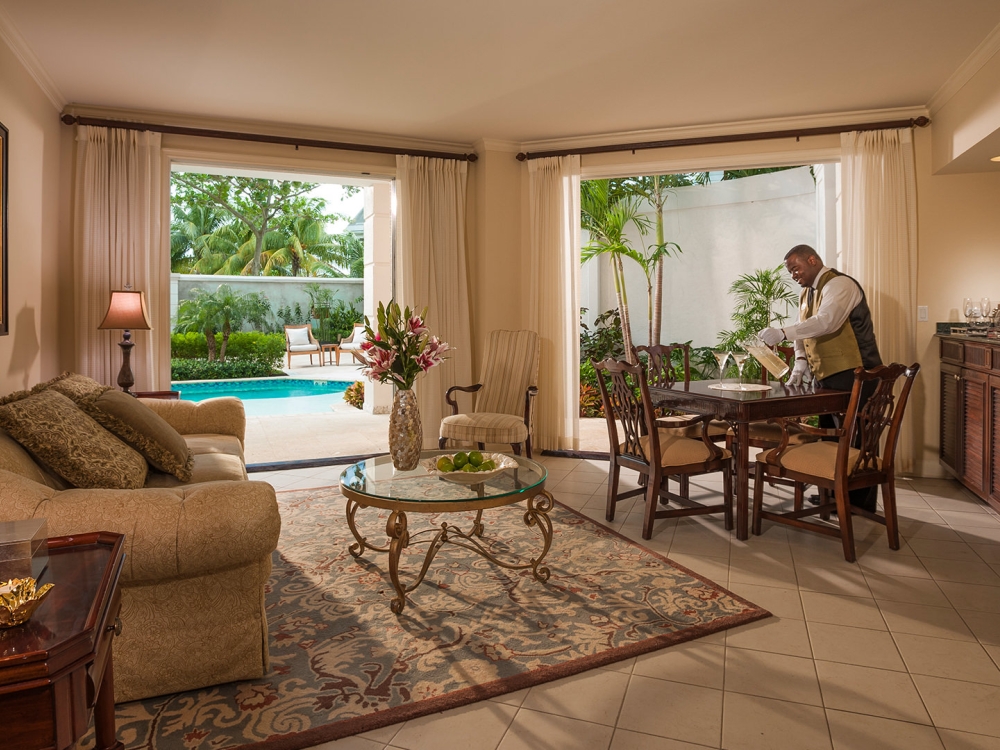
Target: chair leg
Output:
{"points": [[685, 490], [481, 446], [665, 487], [652, 495], [442, 442], [337, 353], [517, 448], [609, 513], [727, 497], [527, 446], [758, 496], [799, 488], [824, 498], [889, 510], [846, 525], [289, 360]]}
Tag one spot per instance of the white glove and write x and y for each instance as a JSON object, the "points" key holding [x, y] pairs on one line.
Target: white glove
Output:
{"points": [[800, 371], [771, 336]]}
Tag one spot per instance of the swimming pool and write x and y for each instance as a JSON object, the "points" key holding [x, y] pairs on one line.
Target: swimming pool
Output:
{"points": [[269, 396]]}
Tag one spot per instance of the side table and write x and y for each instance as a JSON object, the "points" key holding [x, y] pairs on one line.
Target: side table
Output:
{"points": [[332, 349], [56, 669]]}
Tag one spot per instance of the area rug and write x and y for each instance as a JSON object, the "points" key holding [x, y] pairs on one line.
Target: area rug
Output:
{"points": [[342, 663]]}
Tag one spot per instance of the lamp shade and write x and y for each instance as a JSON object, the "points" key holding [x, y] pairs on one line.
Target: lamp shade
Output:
{"points": [[127, 310]]}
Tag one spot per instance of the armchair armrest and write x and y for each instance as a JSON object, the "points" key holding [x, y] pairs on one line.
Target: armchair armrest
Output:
{"points": [[464, 389], [219, 416]]}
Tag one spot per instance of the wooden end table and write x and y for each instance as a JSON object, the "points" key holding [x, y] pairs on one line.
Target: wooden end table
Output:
{"points": [[55, 670], [375, 483], [332, 349]]}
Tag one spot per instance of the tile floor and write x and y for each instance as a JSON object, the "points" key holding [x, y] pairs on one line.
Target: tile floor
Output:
{"points": [[899, 650]]}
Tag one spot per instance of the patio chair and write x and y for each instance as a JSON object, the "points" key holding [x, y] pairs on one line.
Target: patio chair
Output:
{"points": [[504, 395], [352, 344], [655, 452], [840, 467], [299, 340]]}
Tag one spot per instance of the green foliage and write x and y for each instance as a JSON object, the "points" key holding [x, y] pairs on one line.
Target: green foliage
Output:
{"points": [[292, 315], [268, 348], [355, 394], [342, 318], [605, 340], [763, 298], [591, 404], [223, 310], [702, 363], [202, 369]]}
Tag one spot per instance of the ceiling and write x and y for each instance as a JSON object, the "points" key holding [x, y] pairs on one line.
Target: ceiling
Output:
{"points": [[516, 70]]}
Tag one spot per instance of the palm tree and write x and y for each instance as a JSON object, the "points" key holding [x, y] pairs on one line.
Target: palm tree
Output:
{"points": [[192, 234], [307, 248], [348, 254], [199, 315], [607, 217], [756, 296]]}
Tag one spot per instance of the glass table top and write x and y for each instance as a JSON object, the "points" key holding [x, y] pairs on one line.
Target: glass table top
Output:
{"points": [[377, 478]]}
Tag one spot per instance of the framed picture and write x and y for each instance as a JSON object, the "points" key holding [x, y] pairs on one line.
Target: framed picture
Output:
{"points": [[4, 306]]}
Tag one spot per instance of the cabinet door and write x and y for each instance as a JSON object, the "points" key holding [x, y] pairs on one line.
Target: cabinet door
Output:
{"points": [[950, 437], [993, 434], [973, 436]]}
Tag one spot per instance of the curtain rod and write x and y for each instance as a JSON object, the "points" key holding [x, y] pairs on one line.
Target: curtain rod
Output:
{"points": [[919, 122], [261, 138]]}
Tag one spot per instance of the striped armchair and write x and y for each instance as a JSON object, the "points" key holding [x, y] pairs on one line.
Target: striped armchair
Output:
{"points": [[504, 395]]}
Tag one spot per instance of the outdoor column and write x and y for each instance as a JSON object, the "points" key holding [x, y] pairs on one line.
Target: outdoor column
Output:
{"points": [[378, 276]]}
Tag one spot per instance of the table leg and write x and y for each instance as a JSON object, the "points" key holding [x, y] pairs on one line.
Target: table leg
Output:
{"points": [[395, 528], [742, 430], [362, 542], [104, 711]]}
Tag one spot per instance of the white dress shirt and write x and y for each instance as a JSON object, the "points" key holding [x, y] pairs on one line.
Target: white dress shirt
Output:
{"points": [[840, 296]]}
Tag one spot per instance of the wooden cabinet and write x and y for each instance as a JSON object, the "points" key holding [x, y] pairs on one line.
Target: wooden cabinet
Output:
{"points": [[970, 414]]}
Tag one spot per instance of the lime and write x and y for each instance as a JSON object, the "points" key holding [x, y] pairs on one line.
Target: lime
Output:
{"points": [[469, 467], [475, 458], [487, 466], [444, 464], [460, 459]]}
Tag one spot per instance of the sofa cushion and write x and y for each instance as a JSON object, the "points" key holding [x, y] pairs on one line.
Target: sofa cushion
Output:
{"points": [[73, 386], [16, 459], [143, 429], [70, 444], [201, 444], [208, 467]]}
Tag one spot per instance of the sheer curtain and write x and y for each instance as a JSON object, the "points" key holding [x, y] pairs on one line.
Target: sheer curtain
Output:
{"points": [[431, 258], [880, 243], [554, 297], [117, 242]]}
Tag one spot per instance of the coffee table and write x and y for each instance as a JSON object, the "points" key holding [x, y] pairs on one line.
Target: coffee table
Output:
{"points": [[375, 483]]}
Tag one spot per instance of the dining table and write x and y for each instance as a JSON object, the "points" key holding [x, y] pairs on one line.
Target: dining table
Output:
{"points": [[741, 407]]}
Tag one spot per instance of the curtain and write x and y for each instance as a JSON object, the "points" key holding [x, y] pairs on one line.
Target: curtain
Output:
{"points": [[879, 235], [554, 297], [117, 242], [431, 258]]}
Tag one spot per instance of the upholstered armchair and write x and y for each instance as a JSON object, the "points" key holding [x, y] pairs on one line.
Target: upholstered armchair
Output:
{"points": [[352, 344], [504, 395]]}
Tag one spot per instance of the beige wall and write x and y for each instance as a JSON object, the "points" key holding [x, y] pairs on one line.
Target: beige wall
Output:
{"points": [[29, 353]]}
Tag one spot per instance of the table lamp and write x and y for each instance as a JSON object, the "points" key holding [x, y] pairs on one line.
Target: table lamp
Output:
{"points": [[126, 311]]}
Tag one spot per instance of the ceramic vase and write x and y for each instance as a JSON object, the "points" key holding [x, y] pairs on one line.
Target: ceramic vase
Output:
{"points": [[406, 435]]}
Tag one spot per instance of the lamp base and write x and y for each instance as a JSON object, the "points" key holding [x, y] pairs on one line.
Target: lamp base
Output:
{"points": [[125, 377]]}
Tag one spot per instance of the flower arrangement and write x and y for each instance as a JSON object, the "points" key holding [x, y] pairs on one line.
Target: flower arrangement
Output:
{"points": [[401, 348]]}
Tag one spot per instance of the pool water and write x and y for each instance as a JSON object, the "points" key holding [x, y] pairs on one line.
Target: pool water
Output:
{"points": [[269, 396]]}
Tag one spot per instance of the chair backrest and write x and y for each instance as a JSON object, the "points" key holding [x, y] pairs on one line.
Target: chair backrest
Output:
{"points": [[881, 415], [626, 402], [510, 367], [662, 371], [299, 335]]}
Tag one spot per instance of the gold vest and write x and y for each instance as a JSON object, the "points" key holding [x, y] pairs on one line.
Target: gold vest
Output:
{"points": [[835, 352]]}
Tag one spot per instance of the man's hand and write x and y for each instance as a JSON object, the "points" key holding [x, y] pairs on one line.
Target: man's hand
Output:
{"points": [[800, 370], [771, 336]]}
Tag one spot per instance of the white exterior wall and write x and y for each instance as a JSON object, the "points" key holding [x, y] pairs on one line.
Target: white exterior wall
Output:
{"points": [[724, 229]]}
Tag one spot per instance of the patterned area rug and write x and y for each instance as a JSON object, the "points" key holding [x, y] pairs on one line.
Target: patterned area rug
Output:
{"points": [[342, 663]]}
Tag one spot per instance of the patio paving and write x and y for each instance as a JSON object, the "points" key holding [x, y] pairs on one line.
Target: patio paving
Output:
{"points": [[344, 430]]}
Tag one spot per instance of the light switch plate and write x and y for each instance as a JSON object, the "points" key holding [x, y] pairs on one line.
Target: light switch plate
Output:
{"points": [[922, 313]]}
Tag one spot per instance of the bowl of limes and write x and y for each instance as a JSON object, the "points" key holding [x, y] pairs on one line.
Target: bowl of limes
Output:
{"points": [[469, 467]]}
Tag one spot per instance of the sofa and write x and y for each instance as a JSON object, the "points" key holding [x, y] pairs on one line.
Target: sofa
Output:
{"points": [[197, 553]]}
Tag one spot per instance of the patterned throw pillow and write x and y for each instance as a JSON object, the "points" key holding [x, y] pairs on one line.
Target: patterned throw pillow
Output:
{"points": [[143, 429], [73, 386], [71, 444]]}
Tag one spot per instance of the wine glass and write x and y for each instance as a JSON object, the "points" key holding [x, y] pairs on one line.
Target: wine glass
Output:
{"points": [[985, 307], [740, 357], [968, 306], [721, 356]]}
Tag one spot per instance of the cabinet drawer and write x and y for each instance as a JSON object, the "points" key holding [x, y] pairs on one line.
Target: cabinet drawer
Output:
{"points": [[952, 351], [977, 355]]}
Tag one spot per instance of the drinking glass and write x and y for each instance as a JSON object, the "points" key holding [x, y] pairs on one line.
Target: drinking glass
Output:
{"points": [[721, 356], [985, 307], [740, 358], [967, 307]]}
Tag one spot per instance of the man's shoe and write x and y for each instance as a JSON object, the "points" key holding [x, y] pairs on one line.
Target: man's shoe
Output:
{"points": [[869, 501]]}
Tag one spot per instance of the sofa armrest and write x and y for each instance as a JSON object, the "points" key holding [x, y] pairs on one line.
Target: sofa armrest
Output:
{"points": [[179, 532], [216, 416]]}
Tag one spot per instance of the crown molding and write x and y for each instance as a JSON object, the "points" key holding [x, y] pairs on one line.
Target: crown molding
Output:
{"points": [[21, 50], [964, 73], [264, 127], [727, 128], [495, 144]]}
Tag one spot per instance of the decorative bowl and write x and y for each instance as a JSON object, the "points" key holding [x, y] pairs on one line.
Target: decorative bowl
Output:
{"points": [[502, 461], [19, 599]]}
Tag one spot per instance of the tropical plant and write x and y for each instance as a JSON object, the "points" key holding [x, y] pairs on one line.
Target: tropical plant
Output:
{"points": [[605, 340], [193, 235], [202, 369], [607, 217], [223, 310], [355, 394], [348, 256], [400, 347], [762, 300]]}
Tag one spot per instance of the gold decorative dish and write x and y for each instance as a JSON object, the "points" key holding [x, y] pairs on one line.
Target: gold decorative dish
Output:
{"points": [[501, 460], [19, 599]]}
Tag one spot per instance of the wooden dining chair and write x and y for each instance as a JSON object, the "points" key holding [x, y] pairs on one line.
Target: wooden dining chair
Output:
{"points": [[654, 452], [852, 461]]}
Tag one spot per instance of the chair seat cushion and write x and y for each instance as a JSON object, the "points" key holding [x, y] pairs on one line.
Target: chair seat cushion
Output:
{"points": [[817, 459], [676, 450], [303, 347], [484, 427], [208, 467], [350, 346], [199, 445]]}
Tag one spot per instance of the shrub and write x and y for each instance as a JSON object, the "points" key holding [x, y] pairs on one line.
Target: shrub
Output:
{"points": [[355, 394], [591, 404], [202, 369], [606, 338], [268, 348]]}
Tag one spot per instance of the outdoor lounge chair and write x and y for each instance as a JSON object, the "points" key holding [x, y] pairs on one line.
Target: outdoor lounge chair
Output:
{"points": [[352, 344], [299, 340]]}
